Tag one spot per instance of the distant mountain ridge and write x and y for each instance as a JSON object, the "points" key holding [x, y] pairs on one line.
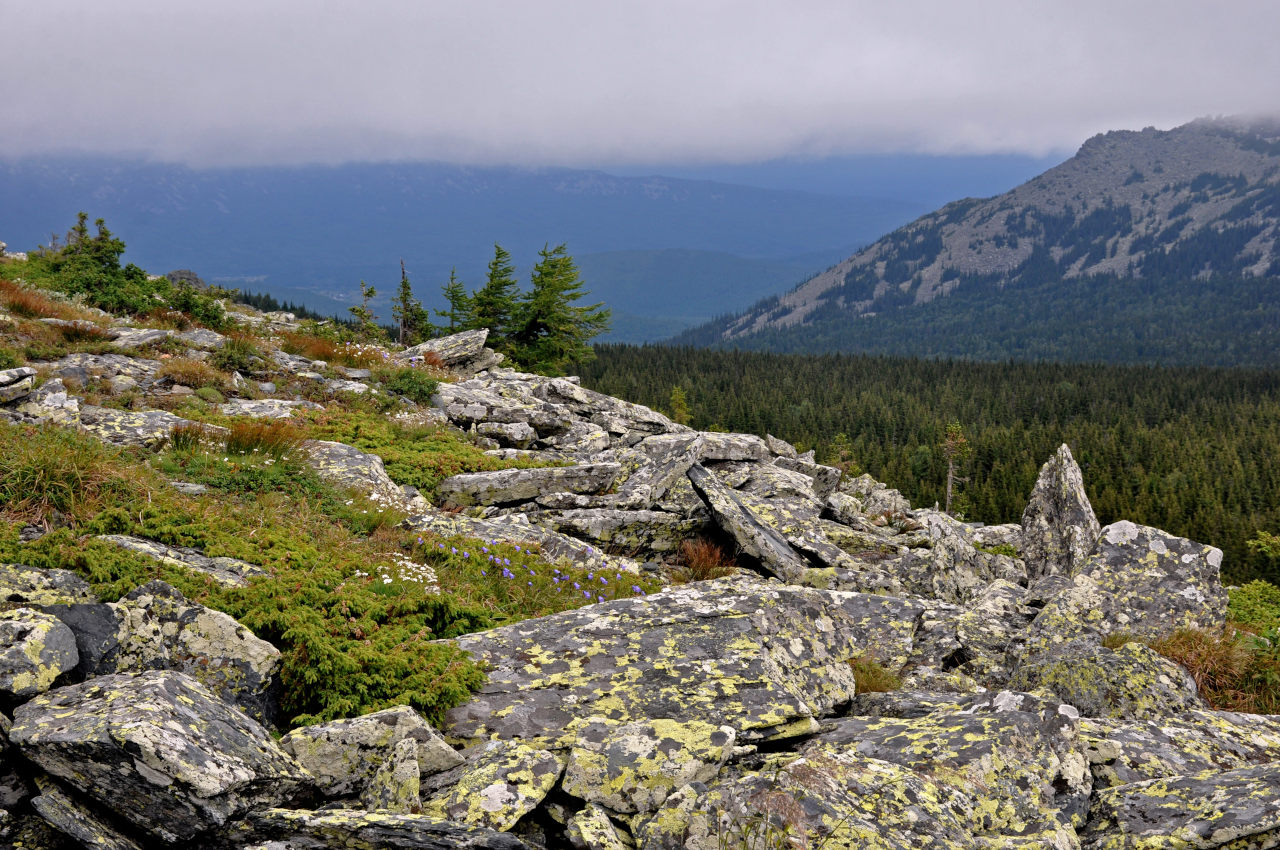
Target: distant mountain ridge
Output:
{"points": [[1167, 208], [309, 234]]}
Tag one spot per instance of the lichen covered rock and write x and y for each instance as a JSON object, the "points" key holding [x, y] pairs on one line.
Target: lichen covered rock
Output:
{"points": [[158, 749], [35, 649], [344, 755], [633, 767], [521, 485], [504, 783], [297, 829], [1059, 528]]}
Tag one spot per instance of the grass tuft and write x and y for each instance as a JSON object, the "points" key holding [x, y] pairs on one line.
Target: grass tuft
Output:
{"points": [[702, 560], [871, 676]]}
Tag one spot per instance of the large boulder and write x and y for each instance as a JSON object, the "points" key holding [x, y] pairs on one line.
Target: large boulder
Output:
{"points": [[522, 485], [157, 749], [35, 587], [346, 466], [765, 659], [505, 782], [1059, 528], [146, 428], [296, 829], [755, 536]]}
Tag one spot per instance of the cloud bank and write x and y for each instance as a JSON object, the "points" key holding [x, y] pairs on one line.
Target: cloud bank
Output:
{"points": [[584, 82]]}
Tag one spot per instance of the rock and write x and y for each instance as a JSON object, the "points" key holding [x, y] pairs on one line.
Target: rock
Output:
{"points": [[357, 830], [50, 402], [77, 821], [754, 537], [1157, 582], [515, 528], [1009, 534], [954, 571], [35, 649], [158, 749], [633, 767], [988, 626], [266, 408], [394, 786], [147, 428], [37, 588], [829, 797], [521, 485], [876, 498], [137, 337], [203, 338], [652, 531], [1059, 528], [503, 784], [1121, 751], [591, 829], [1131, 682], [450, 350], [12, 377], [1235, 808], [156, 628], [347, 466], [1017, 754], [16, 390], [334, 386], [781, 448], [765, 659], [344, 755], [511, 434], [715, 445], [231, 572]]}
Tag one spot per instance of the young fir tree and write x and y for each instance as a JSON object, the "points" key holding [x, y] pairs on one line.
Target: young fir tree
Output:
{"points": [[955, 448], [494, 304], [366, 328], [413, 323], [549, 330], [460, 306]]}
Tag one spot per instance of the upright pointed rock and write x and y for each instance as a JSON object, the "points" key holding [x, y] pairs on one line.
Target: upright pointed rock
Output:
{"points": [[1059, 529]]}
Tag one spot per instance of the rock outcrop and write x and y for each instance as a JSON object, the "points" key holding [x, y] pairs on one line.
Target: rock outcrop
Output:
{"points": [[693, 717]]}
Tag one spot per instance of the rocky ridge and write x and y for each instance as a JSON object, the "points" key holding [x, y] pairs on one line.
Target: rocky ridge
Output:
{"points": [[707, 715]]}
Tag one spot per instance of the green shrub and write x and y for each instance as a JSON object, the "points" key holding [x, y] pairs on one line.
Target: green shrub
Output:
{"points": [[10, 359], [998, 549], [870, 676], [210, 394], [414, 384], [198, 305], [1255, 605]]}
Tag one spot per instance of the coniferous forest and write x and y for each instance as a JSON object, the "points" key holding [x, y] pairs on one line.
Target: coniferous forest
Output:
{"points": [[1195, 451]]}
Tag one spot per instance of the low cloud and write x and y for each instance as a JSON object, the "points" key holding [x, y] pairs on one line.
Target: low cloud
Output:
{"points": [[579, 82]]}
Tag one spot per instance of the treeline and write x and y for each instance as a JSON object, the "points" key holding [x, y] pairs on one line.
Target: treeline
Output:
{"points": [[268, 304], [1195, 451]]}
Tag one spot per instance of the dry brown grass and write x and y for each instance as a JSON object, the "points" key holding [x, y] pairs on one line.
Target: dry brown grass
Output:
{"points": [[192, 373], [33, 304], [871, 676], [273, 437], [322, 348], [701, 560], [1232, 669]]}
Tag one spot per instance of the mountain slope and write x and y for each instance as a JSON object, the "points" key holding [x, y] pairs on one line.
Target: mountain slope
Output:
{"points": [[1171, 209]]}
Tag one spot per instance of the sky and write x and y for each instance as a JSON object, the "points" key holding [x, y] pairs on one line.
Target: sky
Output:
{"points": [[599, 83]]}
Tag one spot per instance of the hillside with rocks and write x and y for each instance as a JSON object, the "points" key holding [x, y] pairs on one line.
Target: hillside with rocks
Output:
{"points": [[1020, 703], [1137, 225]]}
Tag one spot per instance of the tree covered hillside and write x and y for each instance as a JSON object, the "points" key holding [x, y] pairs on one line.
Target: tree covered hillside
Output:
{"points": [[1195, 451]]}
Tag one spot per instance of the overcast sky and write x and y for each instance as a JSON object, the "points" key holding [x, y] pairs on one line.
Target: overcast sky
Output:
{"points": [[600, 82]]}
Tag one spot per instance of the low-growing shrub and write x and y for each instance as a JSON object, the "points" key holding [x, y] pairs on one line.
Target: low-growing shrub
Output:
{"points": [[998, 549], [415, 384], [10, 359], [210, 394], [1256, 605], [701, 560]]}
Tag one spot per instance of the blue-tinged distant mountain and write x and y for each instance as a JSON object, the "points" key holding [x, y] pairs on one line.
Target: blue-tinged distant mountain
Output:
{"points": [[1151, 246], [665, 253]]}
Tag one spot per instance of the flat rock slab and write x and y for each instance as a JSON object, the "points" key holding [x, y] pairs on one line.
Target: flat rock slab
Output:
{"points": [[36, 587], [158, 749], [762, 658], [501, 785], [231, 572], [203, 338], [266, 408], [515, 528], [508, 486], [1234, 808], [1124, 751], [149, 428], [361, 830], [754, 536], [135, 337]]}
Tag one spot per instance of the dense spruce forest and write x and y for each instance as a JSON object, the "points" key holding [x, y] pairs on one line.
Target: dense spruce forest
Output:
{"points": [[1195, 451]]}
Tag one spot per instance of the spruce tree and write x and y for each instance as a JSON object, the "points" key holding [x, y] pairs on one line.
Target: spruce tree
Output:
{"points": [[494, 304], [413, 323], [460, 304], [549, 331]]}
